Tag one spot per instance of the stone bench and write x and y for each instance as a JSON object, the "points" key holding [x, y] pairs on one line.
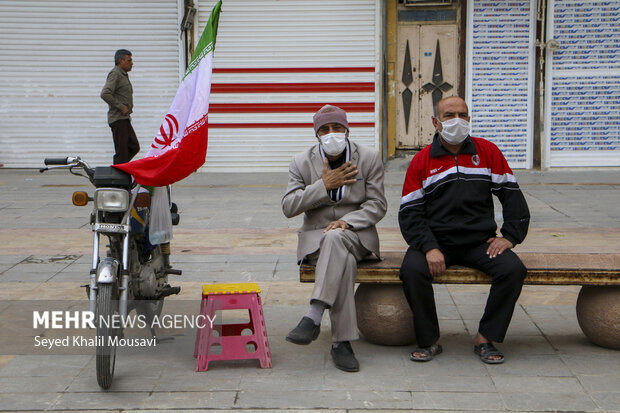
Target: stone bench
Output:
{"points": [[384, 316]]}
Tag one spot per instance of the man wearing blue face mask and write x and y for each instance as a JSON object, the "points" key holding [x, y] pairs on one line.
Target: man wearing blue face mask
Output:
{"points": [[447, 218], [338, 186]]}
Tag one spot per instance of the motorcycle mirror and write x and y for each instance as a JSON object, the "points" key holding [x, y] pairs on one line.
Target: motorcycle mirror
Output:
{"points": [[80, 198]]}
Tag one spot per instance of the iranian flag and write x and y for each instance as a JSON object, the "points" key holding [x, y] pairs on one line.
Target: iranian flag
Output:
{"points": [[180, 146]]}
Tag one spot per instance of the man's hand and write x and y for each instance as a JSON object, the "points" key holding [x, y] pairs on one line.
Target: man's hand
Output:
{"points": [[125, 111], [497, 245], [336, 224], [335, 178], [436, 262]]}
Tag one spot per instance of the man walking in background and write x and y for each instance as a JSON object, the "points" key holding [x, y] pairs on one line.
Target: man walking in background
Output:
{"points": [[118, 94]]}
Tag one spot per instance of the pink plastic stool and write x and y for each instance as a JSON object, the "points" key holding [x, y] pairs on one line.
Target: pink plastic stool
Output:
{"points": [[233, 345]]}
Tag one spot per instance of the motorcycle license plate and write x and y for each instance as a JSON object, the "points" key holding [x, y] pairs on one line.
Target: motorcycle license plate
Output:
{"points": [[102, 227]]}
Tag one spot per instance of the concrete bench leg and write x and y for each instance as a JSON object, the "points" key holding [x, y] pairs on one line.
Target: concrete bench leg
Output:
{"points": [[383, 315], [598, 313]]}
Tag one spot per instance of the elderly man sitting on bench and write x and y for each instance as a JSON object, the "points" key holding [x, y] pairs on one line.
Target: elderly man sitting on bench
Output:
{"points": [[338, 185], [447, 218]]}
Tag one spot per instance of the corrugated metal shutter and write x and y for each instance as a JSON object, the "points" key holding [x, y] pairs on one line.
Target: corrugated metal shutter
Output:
{"points": [[500, 75], [54, 59], [278, 62], [582, 111]]}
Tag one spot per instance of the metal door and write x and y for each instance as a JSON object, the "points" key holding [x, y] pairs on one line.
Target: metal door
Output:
{"points": [[427, 71]]}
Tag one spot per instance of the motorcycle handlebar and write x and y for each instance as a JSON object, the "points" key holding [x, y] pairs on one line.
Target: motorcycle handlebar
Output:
{"points": [[71, 162], [56, 161]]}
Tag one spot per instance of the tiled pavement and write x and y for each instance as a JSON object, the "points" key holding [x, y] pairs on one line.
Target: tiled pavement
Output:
{"points": [[232, 230]]}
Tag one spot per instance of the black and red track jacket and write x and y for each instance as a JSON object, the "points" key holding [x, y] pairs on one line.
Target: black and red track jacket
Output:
{"points": [[447, 198]]}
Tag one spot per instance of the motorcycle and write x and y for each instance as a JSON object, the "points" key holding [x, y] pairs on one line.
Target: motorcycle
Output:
{"points": [[134, 273]]}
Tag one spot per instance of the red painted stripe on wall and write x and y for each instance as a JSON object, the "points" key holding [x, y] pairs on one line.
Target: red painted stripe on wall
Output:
{"points": [[281, 125], [292, 69], [292, 87], [286, 107]]}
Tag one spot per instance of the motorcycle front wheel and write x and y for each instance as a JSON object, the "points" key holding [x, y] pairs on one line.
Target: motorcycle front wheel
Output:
{"points": [[107, 301]]}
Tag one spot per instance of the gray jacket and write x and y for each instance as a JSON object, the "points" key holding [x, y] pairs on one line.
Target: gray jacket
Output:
{"points": [[117, 93], [362, 206]]}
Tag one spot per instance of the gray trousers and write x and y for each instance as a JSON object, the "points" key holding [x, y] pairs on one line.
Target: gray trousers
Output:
{"points": [[334, 279]]}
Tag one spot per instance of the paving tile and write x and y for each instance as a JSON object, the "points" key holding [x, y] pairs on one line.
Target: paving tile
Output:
{"points": [[584, 363], [520, 327], [190, 400], [210, 410], [5, 267], [40, 366], [325, 399], [93, 400], [608, 381], [537, 366], [470, 311], [124, 381], [198, 381], [28, 401], [449, 327], [447, 365], [516, 346], [17, 275], [34, 384], [458, 401], [11, 260], [528, 384], [609, 401], [435, 383], [541, 401], [305, 379], [577, 343]]}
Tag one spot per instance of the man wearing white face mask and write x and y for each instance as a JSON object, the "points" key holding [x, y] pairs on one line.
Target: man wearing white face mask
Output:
{"points": [[447, 218], [338, 186]]}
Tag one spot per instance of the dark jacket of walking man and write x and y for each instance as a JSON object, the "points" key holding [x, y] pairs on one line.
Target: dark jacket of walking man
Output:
{"points": [[118, 94], [447, 218]]}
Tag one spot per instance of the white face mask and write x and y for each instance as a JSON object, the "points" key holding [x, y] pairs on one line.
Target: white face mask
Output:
{"points": [[454, 131], [333, 143]]}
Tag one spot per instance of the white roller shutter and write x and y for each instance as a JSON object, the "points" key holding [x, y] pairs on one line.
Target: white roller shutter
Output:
{"points": [[278, 62], [582, 108], [54, 59]]}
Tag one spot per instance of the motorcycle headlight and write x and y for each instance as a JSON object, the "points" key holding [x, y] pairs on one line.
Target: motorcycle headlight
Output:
{"points": [[112, 200]]}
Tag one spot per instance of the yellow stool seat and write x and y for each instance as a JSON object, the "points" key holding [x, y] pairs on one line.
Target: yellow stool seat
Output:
{"points": [[236, 288]]}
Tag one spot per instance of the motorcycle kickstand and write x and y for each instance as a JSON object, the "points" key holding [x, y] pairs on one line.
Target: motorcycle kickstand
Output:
{"points": [[159, 339]]}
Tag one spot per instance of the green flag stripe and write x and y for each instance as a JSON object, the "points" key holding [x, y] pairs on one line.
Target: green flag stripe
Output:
{"points": [[206, 44]]}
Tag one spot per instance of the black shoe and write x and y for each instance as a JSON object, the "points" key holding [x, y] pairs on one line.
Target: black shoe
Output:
{"points": [[305, 332], [344, 358]]}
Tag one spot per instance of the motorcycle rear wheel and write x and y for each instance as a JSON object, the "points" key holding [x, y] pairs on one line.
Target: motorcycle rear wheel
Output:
{"points": [[106, 349]]}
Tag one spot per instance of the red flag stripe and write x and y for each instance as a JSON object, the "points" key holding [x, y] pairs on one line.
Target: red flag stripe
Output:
{"points": [[286, 107], [292, 87], [292, 69], [176, 163], [281, 125]]}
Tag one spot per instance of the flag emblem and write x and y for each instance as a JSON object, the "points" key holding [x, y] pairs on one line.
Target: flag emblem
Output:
{"points": [[168, 132], [180, 147]]}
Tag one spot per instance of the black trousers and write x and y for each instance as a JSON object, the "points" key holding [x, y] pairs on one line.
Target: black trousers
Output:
{"points": [[126, 143], [507, 272]]}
